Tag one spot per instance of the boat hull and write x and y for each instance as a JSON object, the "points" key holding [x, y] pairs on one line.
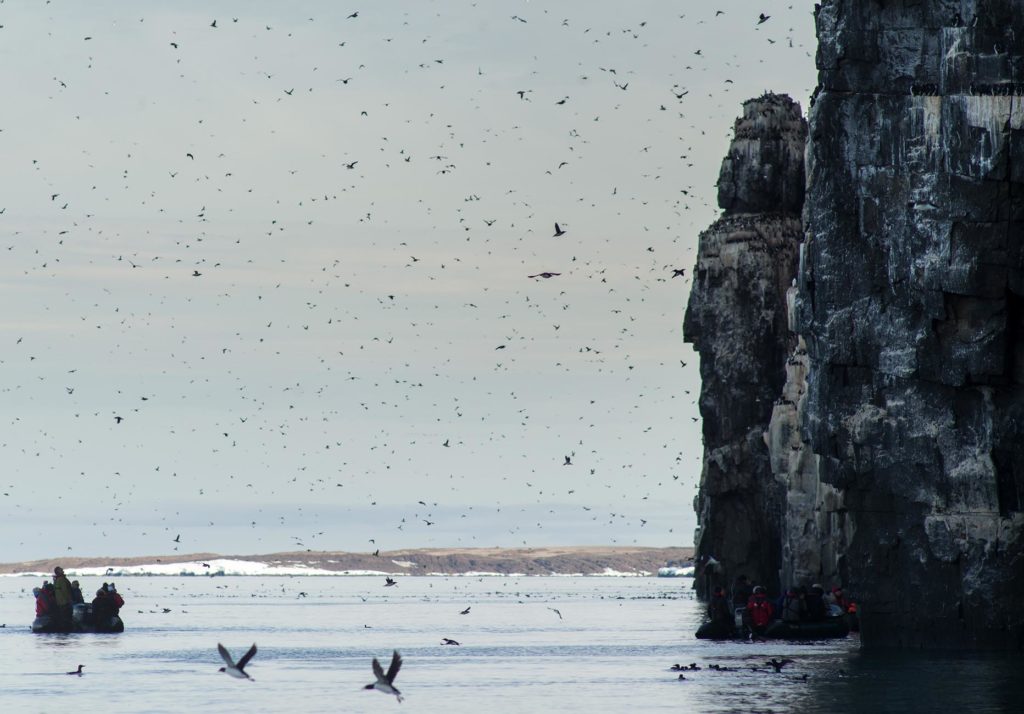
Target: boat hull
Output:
{"points": [[46, 624], [716, 631], [829, 628]]}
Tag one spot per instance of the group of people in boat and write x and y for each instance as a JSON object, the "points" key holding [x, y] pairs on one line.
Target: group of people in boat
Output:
{"points": [[57, 600], [798, 604]]}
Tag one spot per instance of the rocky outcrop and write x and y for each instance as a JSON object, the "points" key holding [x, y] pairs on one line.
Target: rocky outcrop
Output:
{"points": [[911, 303], [736, 319]]}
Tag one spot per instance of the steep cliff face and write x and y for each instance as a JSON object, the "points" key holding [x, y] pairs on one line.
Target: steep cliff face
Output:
{"points": [[736, 319], [911, 302]]}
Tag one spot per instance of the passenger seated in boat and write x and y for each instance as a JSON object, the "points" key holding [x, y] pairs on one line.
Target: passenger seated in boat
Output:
{"points": [[793, 607], [759, 610], [718, 608], [44, 604], [102, 606], [116, 600], [836, 602], [815, 604], [741, 591], [76, 593]]}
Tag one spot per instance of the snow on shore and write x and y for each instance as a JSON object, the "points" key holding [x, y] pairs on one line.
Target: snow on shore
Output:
{"points": [[220, 566], [226, 567]]}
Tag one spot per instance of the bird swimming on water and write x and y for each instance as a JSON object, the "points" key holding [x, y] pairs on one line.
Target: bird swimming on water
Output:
{"points": [[78, 671], [236, 670], [385, 682]]}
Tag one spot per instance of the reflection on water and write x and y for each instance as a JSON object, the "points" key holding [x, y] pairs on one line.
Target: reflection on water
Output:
{"points": [[914, 681]]}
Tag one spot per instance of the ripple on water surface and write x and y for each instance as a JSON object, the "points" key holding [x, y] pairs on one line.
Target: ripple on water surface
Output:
{"points": [[610, 651]]}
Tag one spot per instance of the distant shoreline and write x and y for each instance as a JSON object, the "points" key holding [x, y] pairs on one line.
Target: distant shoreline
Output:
{"points": [[550, 560]]}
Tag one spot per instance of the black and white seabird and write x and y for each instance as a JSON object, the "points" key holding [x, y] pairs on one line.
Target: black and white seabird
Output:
{"points": [[236, 670], [385, 682], [447, 641], [466, 611], [78, 671], [389, 581]]}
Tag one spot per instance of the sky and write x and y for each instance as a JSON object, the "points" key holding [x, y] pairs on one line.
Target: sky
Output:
{"points": [[266, 268]]}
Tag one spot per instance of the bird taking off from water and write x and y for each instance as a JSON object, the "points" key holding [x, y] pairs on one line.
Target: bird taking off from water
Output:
{"points": [[236, 670], [385, 682]]}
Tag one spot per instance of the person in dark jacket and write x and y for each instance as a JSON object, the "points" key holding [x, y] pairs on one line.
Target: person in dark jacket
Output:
{"points": [[76, 593], [718, 609], [815, 604], [102, 606], [793, 608], [741, 591]]}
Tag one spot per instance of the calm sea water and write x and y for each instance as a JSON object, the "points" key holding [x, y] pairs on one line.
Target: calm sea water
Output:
{"points": [[610, 652]]}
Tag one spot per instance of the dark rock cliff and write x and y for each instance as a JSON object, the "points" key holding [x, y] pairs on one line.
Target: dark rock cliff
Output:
{"points": [[736, 319], [911, 303]]}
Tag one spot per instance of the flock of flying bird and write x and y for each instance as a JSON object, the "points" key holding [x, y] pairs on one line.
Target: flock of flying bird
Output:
{"points": [[260, 422]]}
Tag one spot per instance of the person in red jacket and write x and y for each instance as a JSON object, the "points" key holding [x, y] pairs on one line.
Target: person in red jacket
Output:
{"points": [[116, 601], [42, 605], [759, 611]]}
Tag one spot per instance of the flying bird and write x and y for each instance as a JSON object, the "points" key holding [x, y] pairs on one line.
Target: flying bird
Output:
{"points": [[762, 18], [558, 231], [466, 611], [678, 272], [777, 664], [389, 581], [386, 682], [557, 612], [236, 670], [545, 275]]}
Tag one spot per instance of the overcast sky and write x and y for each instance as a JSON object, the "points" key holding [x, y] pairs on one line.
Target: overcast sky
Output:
{"points": [[265, 283]]}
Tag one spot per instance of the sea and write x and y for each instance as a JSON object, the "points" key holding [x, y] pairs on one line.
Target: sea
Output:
{"points": [[528, 644]]}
